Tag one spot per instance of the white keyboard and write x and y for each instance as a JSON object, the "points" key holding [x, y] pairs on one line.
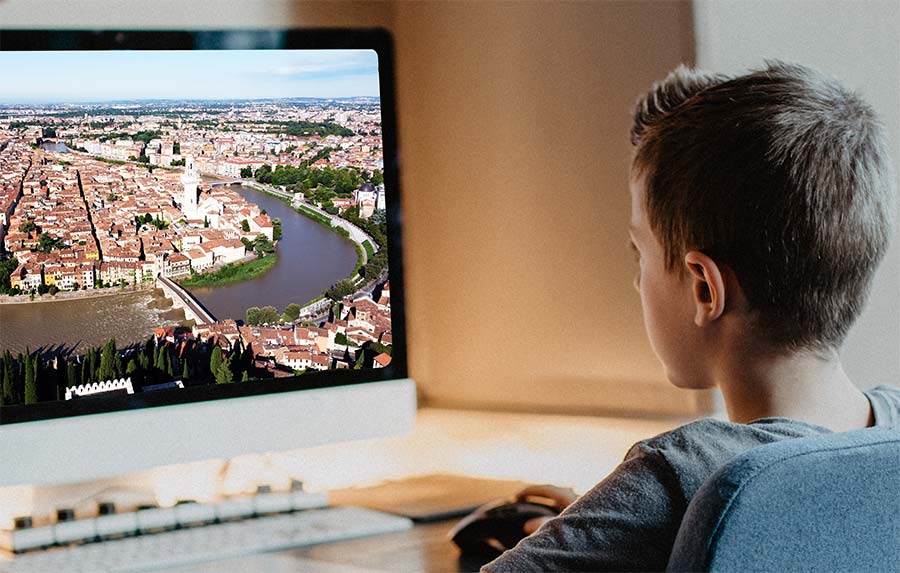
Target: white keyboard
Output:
{"points": [[211, 542]]}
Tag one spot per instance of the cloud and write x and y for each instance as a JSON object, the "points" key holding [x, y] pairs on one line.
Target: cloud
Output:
{"points": [[327, 63]]}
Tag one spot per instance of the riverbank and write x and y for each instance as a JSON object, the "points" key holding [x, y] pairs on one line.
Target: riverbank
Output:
{"points": [[233, 272], [75, 295], [364, 247]]}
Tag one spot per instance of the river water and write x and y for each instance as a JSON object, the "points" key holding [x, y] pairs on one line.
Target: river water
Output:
{"points": [[310, 259], [79, 324]]}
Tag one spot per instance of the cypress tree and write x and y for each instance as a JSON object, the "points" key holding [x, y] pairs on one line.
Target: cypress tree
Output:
{"points": [[161, 359], [85, 370], [170, 370], [30, 381], [119, 366], [93, 365], [224, 375], [19, 379], [108, 360], [185, 374], [71, 375], [147, 353], [215, 361], [7, 391], [131, 368]]}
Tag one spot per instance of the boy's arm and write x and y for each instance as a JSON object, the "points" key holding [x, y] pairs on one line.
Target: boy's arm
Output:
{"points": [[628, 521]]}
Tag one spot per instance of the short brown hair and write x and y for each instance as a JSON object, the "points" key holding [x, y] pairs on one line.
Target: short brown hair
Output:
{"points": [[781, 174]]}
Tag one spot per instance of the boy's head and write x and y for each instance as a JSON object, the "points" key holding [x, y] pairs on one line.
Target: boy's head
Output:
{"points": [[782, 178]]}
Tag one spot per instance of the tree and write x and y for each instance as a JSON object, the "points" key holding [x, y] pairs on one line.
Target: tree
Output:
{"points": [[30, 380], [131, 368], [291, 312], [340, 289], [245, 377], [71, 375], [269, 315], [247, 172], [108, 360], [224, 376], [7, 390], [245, 226], [377, 178], [27, 226], [216, 361], [263, 246], [85, 371], [176, 148], [6, 269], [161, 359], [253, 315], [206, 222], [185, 373], [276, 229]]}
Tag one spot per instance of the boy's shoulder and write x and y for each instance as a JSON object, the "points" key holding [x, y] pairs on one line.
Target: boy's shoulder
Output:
{"points": [[713, 435], [695, 450], [692, 452]]}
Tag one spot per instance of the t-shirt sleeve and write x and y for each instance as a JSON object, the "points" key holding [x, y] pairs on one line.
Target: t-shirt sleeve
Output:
{"points": [[627, 522]]}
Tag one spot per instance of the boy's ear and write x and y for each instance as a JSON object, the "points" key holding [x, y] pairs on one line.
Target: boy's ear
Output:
{"points": [[708, 286]]}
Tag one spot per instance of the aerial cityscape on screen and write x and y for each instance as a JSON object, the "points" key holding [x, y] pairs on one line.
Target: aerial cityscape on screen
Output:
{"points": [[179, 219]]}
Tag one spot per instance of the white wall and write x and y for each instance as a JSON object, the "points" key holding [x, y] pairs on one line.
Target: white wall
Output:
{"points": [[859, 43], [189, 14]]}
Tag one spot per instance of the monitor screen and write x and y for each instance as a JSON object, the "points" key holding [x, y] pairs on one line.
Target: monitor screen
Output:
{"points": [[192, 217]]}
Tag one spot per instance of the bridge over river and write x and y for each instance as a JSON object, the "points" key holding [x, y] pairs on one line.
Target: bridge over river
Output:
{"points": [[182, 299]]}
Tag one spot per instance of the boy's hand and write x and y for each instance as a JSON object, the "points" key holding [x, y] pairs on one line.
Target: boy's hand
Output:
{"points": [[559, 497]]}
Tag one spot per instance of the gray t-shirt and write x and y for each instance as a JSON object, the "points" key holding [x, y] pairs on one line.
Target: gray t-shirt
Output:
{"points": [[628, 522]]}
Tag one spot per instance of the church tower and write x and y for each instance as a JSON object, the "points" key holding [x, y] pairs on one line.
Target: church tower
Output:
{"points": [[190, 179]]}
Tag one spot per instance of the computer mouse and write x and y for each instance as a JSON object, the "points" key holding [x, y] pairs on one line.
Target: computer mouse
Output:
{"points": [[497, 526]]}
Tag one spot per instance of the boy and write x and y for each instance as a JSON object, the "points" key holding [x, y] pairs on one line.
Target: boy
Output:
{"points": [[761, 206]]}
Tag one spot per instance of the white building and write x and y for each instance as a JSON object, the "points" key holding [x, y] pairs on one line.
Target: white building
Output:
{"points": [[190, 179]]}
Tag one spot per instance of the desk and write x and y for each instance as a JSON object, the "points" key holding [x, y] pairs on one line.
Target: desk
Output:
{"points": [[423, 548], [576, 451]]}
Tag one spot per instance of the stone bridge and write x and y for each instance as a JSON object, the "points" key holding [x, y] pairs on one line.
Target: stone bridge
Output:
{"points": [[182, 299]]}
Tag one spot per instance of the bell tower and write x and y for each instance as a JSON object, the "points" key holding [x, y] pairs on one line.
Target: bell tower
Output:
{"points": [[190, 179]]}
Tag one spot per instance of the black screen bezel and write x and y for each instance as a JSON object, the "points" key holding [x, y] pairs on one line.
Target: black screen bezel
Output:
{"points": [[375, 39]]}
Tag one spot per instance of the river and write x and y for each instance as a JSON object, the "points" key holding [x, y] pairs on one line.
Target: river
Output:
{"points": [[310, 259], [82, 323]]}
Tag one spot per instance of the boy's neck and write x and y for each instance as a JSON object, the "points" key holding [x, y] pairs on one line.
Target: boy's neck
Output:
{"points": [[801, 386]]}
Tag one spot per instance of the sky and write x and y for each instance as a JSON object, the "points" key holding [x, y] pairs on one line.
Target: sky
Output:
{"points": [[82, 76]]}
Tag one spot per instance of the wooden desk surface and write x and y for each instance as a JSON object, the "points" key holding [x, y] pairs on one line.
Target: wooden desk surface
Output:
{"points": [[423, 548]]}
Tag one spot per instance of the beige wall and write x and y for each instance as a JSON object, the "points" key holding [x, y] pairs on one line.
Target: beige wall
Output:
{"points": [[514, 131], [859, 43]]}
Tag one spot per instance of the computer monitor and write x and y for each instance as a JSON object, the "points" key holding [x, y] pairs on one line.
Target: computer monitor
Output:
{"points": [[201, 248]]}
